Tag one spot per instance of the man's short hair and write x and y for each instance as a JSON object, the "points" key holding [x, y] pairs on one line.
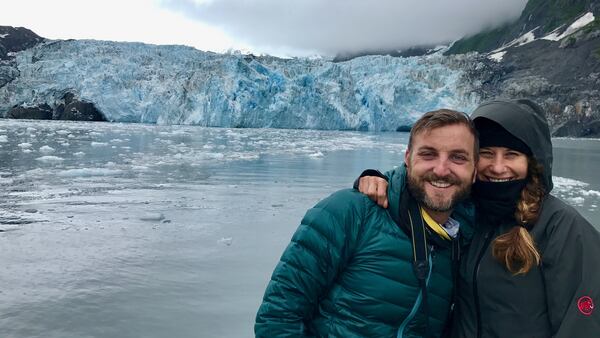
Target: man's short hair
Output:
{"points": [[441, 118]]}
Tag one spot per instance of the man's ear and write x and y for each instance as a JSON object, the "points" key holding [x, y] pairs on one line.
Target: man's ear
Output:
{"points": [[474, 175], [407, 157]]}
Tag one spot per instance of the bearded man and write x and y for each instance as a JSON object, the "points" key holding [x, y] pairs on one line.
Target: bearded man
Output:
{"points": [[356, 269]]}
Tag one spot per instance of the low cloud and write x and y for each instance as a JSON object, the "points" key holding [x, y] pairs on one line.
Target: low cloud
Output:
{"points": [[334, 26]]}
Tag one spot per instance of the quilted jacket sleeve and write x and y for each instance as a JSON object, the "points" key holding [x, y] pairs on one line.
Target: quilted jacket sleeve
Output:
{"points": [[572, 276], [316, 254]]}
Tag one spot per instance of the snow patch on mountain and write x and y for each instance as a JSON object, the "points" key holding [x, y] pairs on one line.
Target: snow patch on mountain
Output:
{"points": [[497, 56], [520, 41], [574, 27], [556, 35]]}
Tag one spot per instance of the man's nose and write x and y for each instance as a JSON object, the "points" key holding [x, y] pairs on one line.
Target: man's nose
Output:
{"points": [[442, 167]]}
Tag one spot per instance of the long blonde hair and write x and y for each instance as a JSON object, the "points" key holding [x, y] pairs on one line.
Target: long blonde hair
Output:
{"points": [[516, 249]]}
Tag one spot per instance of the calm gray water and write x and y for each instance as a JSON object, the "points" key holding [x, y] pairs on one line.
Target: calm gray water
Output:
{"points": [[128, 230]]}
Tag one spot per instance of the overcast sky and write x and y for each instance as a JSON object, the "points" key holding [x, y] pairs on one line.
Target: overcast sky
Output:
{"points": [[280, 27]]}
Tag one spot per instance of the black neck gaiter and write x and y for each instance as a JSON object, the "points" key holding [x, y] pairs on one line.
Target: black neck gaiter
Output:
{"points": [[497, 201]]}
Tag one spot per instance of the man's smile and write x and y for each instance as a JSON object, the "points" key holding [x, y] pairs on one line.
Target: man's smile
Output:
{"points": [[440, 184]]}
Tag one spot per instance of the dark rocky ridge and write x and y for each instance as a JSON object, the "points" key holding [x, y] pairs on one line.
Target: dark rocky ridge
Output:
{"points": [[68, 108], [16, 39], [13, 40], [563, 76]]}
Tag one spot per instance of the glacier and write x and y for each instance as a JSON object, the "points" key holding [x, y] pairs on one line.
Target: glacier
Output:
{"points": [[136, 82]]}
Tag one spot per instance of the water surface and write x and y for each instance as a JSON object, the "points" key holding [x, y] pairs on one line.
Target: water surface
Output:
{"points": [[130, 230]]}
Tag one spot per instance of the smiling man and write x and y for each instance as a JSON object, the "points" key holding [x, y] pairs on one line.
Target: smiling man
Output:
{"points": [[356, 269]]}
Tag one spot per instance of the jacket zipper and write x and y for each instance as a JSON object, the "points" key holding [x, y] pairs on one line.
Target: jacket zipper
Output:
{"points": [[488, 237], [417, 305]]}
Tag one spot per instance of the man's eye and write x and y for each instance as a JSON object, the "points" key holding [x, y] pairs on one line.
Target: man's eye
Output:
{"points": [[459, 158], [427, 155]]}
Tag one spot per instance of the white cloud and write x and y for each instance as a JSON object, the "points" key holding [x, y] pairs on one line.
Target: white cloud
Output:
{"points": [[280, 27], [123, 20], [330, 26]]}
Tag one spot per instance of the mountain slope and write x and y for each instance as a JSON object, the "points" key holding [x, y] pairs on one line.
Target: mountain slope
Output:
{"points": [[539, 16], [16, 39]]}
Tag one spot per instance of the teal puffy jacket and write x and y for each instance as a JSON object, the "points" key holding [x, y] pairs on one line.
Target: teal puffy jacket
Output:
{"points": [[348, 273]]}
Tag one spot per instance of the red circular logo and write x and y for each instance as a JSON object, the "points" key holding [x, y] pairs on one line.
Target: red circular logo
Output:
{"points": [[585, 305]]}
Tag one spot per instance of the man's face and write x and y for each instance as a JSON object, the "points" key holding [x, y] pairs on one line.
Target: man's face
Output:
{"points": [[441, 167]]}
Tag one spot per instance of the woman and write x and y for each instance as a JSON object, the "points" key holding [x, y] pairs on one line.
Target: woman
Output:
{"points": [[533, 266]]}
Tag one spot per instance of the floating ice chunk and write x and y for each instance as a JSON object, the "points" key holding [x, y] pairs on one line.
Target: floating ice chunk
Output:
{"points": [[27, 151], [140, 168], [62, 132], [591, 193], [152, 216], [6, 181], [563, 182], [89, 172], [316, 155], [3, 139], [24, 145], [242, 156], [35, 172], [226, 240], [50, 159], [79, 154], [46, 150], [31, 129], [99, 144], [577, 201]]}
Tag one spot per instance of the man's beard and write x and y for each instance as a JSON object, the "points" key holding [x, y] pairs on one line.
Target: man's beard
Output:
{"points": [[416, 186]]}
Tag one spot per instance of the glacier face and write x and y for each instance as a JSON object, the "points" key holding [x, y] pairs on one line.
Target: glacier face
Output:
{"points": [[135, 82]]}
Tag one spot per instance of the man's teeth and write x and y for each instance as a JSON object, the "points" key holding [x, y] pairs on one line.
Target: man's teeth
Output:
{"points": [[500, 179], [440, 184]]}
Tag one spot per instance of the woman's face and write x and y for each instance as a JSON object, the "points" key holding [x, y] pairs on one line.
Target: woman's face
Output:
{"points": [[500, 164]]}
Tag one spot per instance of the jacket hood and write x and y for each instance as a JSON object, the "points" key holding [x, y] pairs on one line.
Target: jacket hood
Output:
{"points": [[525, 120]]}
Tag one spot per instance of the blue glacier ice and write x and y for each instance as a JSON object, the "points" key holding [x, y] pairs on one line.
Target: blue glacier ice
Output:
{"points": [[135, 82]]}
